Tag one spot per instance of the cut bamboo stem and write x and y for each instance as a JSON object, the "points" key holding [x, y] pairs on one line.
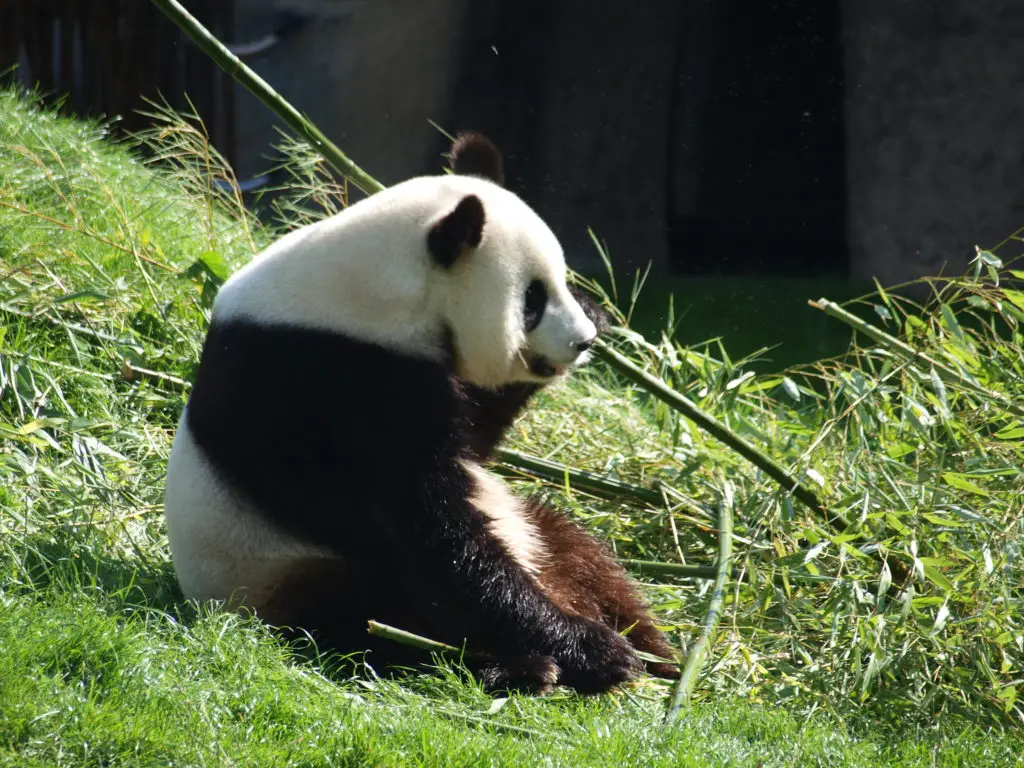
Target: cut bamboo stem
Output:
{"points": [[131, 372], [654, 568], [605, 487], [417, 641], [695, 658], [259, 87]]}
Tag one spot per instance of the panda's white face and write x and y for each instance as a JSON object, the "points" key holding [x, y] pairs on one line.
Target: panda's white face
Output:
{"points": [[559, 334], [507, 302]]}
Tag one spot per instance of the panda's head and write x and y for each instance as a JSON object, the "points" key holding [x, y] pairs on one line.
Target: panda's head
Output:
{"points": [[501, 279], [452, 268]]}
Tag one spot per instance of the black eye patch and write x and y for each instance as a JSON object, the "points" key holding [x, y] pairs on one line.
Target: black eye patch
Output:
{"points": [[533, 307]]}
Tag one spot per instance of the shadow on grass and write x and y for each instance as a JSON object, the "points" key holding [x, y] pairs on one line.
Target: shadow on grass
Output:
{"points": [[63, 565], [138, 586]]}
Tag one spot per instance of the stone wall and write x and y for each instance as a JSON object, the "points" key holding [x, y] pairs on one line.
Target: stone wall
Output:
{"points": [[935, 132], [933, 113]]}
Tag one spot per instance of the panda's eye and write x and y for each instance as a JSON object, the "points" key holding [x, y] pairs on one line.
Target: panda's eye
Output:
{"points": [[536, 301]]}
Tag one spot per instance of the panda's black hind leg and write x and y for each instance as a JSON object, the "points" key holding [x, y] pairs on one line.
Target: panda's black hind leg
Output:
{"points": [[331, 603]]}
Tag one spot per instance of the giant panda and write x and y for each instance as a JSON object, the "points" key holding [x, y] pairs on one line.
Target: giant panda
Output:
{"points": [[328, 467]]}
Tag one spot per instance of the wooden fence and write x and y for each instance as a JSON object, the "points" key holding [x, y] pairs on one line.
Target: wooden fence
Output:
{"points": [[103, 56]]}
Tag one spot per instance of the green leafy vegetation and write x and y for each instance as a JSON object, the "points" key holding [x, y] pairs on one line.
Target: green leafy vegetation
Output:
{"points": [[895, 639]]}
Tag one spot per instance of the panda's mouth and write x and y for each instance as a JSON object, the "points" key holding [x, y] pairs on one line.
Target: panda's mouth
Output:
{"points": [[544, 368]]}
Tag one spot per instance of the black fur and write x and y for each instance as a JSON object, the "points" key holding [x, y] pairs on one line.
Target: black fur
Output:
{"points": [[473, 154], [597, 314], [462, 228], [367, 464]]}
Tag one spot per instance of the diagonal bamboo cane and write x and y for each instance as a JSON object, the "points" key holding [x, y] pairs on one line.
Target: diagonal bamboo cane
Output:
{"points": [[590, 482], [259, 87]]}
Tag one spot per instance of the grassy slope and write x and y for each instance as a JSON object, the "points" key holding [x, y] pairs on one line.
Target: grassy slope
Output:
{"points": [[101, 663]]}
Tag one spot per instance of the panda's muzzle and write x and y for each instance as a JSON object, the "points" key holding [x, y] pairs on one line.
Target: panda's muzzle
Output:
{"points": [[543, 367], [583, 346]]}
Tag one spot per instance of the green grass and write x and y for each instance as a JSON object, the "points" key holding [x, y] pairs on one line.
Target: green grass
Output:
{"points": [[107, 270], [88, 678]]}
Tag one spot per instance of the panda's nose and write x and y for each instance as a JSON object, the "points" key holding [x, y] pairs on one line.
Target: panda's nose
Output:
{"points": [[583, 346]]}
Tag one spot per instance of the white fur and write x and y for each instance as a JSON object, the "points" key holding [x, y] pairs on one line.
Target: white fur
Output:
{"points": [[222, 549], [366, 273], [517, 534]]}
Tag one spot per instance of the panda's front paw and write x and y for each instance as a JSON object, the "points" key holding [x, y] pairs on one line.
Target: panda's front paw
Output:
{"points": [[536, 674], [600, 659]]}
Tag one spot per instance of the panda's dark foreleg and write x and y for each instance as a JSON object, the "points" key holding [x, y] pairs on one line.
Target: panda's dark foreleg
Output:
{"points": [[487, 597], [580, 575]]}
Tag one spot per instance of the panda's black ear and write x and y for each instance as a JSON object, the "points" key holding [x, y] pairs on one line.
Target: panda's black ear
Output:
{"points": [[461, 229], [473, 154]]}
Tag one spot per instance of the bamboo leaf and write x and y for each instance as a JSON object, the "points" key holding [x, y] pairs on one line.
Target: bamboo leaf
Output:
{"points": [[960, 482]]}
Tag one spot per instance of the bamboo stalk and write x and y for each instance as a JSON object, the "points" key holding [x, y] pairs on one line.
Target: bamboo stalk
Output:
{"points": [[591, 482], [259, 87], [709, 424], [902, 349], [695, 658], [417, 641], [654, 568], [131, 372]]}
